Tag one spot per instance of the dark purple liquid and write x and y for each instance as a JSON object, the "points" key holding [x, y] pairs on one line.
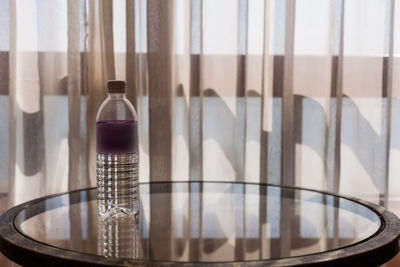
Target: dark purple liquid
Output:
{"points": [[117, 137]]}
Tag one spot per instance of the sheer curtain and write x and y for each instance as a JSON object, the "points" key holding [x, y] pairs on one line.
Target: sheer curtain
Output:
{"points": [[302, 93]]}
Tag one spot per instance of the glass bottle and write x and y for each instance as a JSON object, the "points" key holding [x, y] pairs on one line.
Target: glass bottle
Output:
{"points": [[117, 153]]}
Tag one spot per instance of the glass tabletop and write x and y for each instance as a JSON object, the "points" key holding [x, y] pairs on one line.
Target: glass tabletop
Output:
{"points": [[203, 222]]}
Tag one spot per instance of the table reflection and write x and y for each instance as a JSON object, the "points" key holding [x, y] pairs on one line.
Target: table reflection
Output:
{"points": [[203, 222], [118, 236]]}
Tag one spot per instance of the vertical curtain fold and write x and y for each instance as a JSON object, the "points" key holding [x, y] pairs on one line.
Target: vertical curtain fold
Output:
{"points": [[266, 95], [339, 99], [26, 123], [159, 58], [131, 74], [241, 90], [74, 95], [12, 106], [388, 76], [288, 149], [101, 67], [196, 94]]}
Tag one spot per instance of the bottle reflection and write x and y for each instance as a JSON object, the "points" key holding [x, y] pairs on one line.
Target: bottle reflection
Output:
{"points": [[118, 236]]}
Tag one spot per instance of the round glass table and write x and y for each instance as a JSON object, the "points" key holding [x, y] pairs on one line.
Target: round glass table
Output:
{"points": [[198, 223]]}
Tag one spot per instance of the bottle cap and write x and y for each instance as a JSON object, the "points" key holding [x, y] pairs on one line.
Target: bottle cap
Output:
{"points": [[116, 87]]}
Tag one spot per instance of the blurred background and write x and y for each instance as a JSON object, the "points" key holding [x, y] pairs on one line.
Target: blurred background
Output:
{"points": [[303, 93]]}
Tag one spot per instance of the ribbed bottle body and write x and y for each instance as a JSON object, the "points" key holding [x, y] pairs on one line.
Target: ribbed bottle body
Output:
{"points": [[117, 183]]}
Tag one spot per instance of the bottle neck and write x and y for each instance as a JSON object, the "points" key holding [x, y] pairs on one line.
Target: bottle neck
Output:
{"points": [[117, 95]]}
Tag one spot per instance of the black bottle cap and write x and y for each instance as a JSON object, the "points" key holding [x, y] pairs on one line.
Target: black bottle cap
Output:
{"points": [[116, 87]]}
